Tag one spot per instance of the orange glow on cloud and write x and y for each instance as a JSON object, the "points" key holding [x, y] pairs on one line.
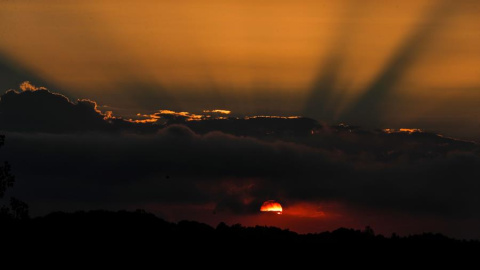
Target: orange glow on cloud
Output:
{"points": [[188, 116], [271, 206], [209, 115], [27, 86], [218, 111], [272, 117], [402, 130], [148, 118]]}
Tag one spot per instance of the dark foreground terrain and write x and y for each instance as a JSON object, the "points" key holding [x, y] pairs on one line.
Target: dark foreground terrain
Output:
{"points": [[139, 231]]}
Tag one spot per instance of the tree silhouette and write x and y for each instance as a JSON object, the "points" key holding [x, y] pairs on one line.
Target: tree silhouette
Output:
{"points": [[6, 179], [18, 209], [369, 231]]}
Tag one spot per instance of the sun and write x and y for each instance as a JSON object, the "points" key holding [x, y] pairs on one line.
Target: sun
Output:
{"points": [[271, 206]]}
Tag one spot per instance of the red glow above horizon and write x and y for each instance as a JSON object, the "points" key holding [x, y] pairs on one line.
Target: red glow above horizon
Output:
{"points": [[271, 206]]}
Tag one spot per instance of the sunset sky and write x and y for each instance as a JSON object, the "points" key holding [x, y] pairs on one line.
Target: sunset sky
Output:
{"points": [[251, 57], [374, 64]]}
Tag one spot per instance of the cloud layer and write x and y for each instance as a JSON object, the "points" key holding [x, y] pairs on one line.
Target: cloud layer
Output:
{"points": [[74, 160]]}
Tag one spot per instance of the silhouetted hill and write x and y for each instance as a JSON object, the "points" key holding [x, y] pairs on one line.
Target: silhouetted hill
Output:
{"points": [[140, 231]]}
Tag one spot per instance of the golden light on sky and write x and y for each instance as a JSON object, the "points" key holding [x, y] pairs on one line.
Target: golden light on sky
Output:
{"points": [[324, 59]]}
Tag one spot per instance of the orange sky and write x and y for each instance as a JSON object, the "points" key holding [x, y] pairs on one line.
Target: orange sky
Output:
{"points": [[251, 57]]}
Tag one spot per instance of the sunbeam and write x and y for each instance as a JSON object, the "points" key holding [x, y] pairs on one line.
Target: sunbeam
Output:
{"points": [[368, 109]]}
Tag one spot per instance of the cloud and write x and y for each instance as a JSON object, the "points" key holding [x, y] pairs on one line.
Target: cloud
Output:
{"points": [[401, 172], [36, 109], [27, 86], [71, 156], [79, 165], [178, 117], [217, 111]]}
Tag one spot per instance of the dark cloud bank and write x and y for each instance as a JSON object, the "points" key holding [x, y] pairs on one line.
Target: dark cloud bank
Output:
{"points": [[69, 155]]}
